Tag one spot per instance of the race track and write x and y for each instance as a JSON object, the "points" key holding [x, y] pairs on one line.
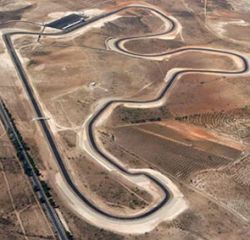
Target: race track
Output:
{"points": [[172, 202]]}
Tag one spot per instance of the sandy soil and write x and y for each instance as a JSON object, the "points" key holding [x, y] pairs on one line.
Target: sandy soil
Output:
{"points": [[198, 138]]}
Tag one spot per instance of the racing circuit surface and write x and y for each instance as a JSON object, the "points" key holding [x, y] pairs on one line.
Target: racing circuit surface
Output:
{"points": [[173, 202]]}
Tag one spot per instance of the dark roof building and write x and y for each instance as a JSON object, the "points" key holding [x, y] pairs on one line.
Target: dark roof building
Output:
{"points": [[66, 22]]}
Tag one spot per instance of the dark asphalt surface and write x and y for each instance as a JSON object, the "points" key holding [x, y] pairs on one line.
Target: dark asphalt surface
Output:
{"points": [[50, 139]]}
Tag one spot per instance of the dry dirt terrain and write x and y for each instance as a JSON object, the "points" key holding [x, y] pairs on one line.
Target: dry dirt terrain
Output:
{"points": [[198, 137], [21, 214]]}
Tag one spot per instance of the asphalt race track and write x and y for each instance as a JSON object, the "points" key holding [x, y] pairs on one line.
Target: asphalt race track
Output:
{"points": [[97, 115]]}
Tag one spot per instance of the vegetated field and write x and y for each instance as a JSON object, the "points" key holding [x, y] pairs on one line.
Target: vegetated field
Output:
{"points": [[177, 149], [235, 180], [21, 216], [233, 122]]}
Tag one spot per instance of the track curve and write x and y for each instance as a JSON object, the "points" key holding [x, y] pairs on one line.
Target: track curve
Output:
{"points": [[90, 124]]}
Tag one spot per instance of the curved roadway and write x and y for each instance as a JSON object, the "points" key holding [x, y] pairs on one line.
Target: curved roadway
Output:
{"points": [[167, 190]]}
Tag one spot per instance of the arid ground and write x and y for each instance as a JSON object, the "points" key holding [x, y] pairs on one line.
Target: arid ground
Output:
{"points": [[199, 137]]}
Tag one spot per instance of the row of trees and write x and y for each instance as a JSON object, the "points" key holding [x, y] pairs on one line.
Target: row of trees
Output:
{"points": [[28, 163]]}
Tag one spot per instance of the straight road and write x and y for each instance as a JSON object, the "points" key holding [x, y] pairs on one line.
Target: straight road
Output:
{"points": [[10, 128]]}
